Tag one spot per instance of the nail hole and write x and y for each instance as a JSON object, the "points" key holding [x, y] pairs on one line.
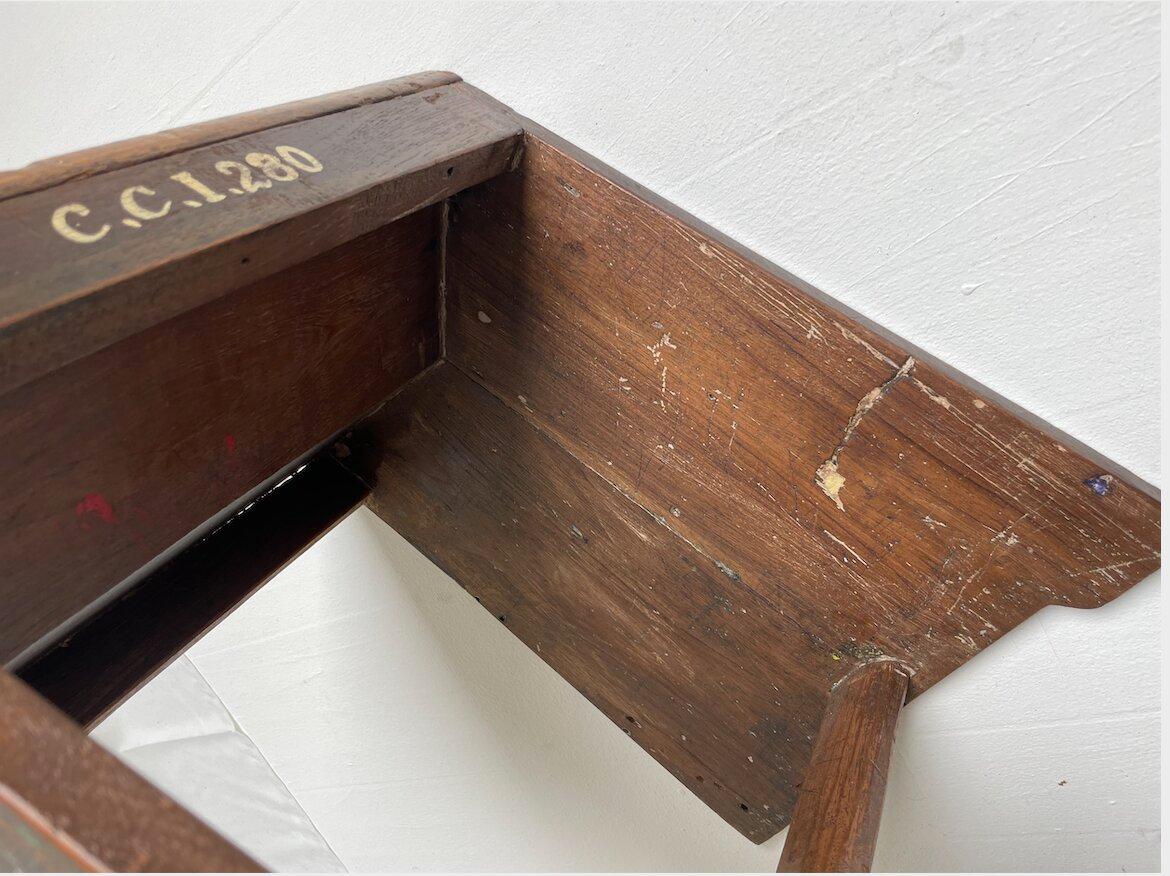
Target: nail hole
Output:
{"points": [[450, 170], [503, 618], [699, 779], [245, 260], [630, 718], [743, 806]]}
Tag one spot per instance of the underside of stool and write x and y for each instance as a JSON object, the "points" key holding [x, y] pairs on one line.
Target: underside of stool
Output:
{"points": [[743, 521]]}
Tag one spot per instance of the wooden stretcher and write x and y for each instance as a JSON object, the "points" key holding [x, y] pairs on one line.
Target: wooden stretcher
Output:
{"points": [[743, 521]]}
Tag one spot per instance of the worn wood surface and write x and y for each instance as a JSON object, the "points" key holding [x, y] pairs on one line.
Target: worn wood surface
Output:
{"points": [[78, 804], [113, 156], [835, 826], [92, 667], [880, 503], [698, 489], [112, 459], [871, 500], [724, 691], [94, 260]]}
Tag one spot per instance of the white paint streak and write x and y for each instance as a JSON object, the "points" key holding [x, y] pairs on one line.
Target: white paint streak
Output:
{"points": [[852, 552]]}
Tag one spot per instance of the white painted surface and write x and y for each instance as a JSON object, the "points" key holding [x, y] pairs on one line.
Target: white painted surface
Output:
{"points": [[982, 179]]}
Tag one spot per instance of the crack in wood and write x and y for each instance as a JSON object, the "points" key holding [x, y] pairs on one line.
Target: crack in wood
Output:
{"points": [[828, 476]]}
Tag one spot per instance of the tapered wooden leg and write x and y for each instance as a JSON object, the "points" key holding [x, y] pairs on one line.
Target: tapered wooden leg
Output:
{"points": [[834, 828]]}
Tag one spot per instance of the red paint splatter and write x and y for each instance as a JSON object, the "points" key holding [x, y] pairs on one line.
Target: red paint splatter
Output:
{"points": [[95, 503], [229, 443]]}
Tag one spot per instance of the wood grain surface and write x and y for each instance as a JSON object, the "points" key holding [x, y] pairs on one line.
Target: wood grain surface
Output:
{"points": [[701, 491], [61, 299], [881, 504], [113, 156], [871, 500], [91, 667], [72, 805], [115, 457], [835, 826], [683, 656]]}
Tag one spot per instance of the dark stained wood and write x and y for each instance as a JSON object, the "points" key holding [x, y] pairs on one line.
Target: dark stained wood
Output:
{"points": [[699, 489], [113, 156], [117, 456], [90, 668], [724, 691], [862, 492], [67, 803], [835, 826], [729, 403], [61, 299]]}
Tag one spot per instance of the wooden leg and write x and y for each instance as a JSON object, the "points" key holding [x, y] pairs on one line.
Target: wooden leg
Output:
{"points": [[834, 828]]}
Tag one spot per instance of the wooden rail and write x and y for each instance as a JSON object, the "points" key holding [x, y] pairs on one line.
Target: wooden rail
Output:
{"points": [[96, 259], [95, 663]]}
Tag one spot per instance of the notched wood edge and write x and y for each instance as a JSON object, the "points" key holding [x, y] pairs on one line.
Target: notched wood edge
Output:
{"points": [[84, 163]]}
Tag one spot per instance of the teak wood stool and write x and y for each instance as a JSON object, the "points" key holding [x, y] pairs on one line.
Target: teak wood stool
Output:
{"points": [[741, 520]]}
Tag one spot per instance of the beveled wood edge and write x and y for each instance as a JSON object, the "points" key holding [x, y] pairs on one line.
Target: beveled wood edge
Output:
{"points": [[543, 135], [95, 160], [29, 844]]}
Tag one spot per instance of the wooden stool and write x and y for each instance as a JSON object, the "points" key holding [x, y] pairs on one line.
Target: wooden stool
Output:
{"points": [[741, 520]]}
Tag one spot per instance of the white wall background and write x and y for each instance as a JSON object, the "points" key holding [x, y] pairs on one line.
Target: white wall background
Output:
{"points": [[980, 178]]}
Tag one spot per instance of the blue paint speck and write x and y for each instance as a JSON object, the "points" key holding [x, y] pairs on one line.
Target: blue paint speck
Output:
{"points": [[1101, 484]]}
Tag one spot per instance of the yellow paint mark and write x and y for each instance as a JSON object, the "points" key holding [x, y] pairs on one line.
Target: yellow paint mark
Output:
{"points": [[831, 481], [60, 223]]}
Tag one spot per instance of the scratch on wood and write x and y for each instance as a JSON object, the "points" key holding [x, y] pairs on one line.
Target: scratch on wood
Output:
{"points": [[940, 400], [1115, 567], [850, 335], [828, 478], [856, 555], [656, 351]]}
